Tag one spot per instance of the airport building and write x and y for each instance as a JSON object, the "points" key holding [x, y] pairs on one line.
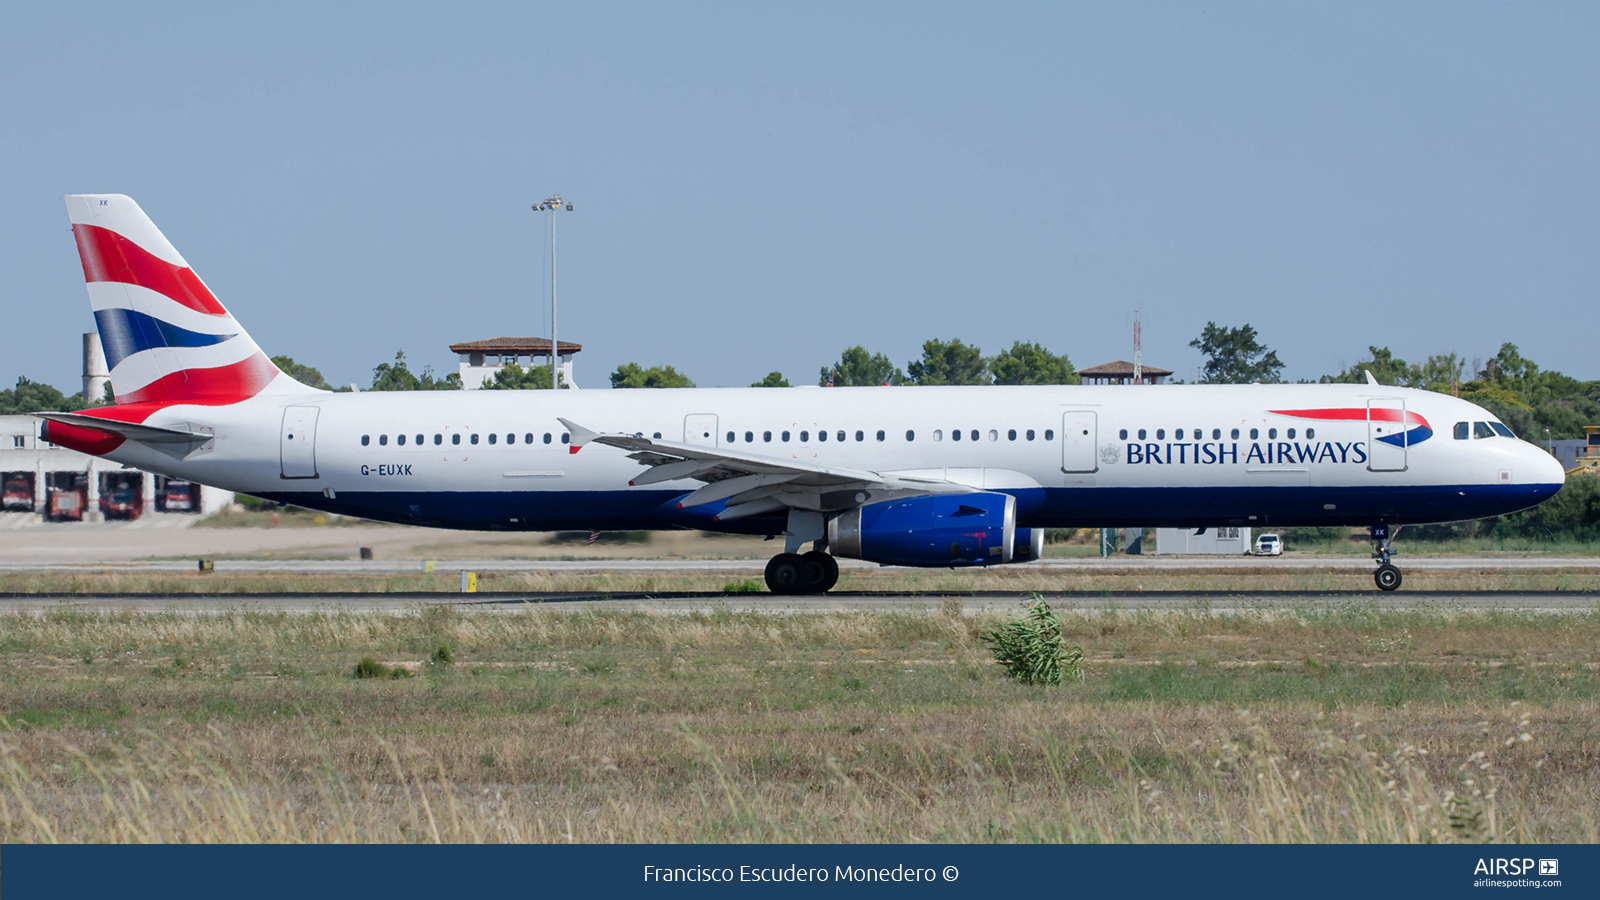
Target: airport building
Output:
{"points": [[480, 360], [1214, 542], [1121, 372]]}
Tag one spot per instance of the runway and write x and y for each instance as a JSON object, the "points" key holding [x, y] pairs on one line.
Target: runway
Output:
{"points": [[1119, 563], [1191, 602]]}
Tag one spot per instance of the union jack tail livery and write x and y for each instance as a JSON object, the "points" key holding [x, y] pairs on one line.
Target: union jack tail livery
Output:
{"points": [[167, 339]]}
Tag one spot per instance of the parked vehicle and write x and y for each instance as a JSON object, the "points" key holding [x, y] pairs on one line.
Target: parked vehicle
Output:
{"points": [[1269, 545], [180, 496], [122, 503], [17, 493], [68, 503]]}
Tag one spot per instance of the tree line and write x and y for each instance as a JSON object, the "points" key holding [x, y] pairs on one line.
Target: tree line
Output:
{"points": [[1536, 403]]}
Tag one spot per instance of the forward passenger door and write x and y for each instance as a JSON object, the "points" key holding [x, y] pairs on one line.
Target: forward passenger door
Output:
{"points": [[1386, 435], [1079, 434]]}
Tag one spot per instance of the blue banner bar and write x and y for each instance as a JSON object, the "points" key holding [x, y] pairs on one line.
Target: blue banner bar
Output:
{"points": [[360, 873]]}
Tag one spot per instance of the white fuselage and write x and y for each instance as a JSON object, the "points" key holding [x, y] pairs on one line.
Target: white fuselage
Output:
{"points": [[1074, 457]]}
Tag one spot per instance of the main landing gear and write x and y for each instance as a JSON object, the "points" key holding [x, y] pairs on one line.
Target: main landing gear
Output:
{"points": [[1387, 576], [802, 573]]}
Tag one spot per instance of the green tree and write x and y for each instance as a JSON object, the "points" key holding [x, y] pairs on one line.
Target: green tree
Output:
{"points": [[32, 396], [1030, 363], [306, 375], [949, 362], [632, 375], [1235, 356], [773, 379], [858, 368], [512, 377], [397, 376]]}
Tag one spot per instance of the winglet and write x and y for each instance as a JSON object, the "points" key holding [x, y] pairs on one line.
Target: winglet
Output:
{"points": [[1370, 380], [580, 434]]}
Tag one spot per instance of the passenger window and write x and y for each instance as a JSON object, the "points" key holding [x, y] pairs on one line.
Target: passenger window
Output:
{"points": [[1161, 434], [766, 436], [821, 436], [1255, 433], [1011, 435], [880, 434], [1463, 430], [1216, 434], [419, 440], [1482, 430], [974, 434], [526, 439], [1178, 435], [938, 435], [862, 435], [1311, 434], [1272, 434], [786, 437], [840, 435], [383, 440], [400, 439], [1291, 434], [1501, 430], [474, 439], [730, 437], [1236, 434], [995, 435], [566, 437], [366, 439], [749, 437], [511, 438], [1049, 434], [955, 434], [1141, 434], [805, 437], [547, 437], [1030, 434], [455, 438], [910, 435], [492, 437], [1123, 434]]}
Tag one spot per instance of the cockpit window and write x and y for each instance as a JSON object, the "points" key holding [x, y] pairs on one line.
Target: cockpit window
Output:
{"points": [[1482, 430], [1463, 430], [1501, 430]]}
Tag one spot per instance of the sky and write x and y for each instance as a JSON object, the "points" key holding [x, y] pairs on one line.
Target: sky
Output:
{"points": [[758, 186]]}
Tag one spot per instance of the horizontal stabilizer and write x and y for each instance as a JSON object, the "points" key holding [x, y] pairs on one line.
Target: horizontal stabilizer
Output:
{"points": [[144, 434]]}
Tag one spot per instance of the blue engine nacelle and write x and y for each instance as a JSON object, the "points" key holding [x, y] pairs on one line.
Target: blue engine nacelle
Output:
{"points": [[976, 529]]}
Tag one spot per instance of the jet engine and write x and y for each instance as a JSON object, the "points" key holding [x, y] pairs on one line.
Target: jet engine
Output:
{"points": [[943, 530]]}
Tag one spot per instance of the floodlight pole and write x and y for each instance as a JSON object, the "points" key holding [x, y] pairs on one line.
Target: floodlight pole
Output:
{"points": [[553, 204]]}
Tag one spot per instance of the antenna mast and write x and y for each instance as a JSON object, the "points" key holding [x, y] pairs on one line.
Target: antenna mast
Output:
{"points": [[1138, 351]]}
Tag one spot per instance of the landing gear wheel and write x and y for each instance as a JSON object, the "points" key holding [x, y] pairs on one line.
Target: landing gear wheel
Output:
{"points": [[1387, 577], [821, 571], [786, 574]]}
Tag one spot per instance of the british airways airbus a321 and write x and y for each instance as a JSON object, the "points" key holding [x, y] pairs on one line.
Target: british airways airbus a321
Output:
{"points": [[906, 476]]}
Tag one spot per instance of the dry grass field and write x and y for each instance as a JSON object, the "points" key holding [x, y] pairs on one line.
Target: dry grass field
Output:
{"points": [[1338, 722]]}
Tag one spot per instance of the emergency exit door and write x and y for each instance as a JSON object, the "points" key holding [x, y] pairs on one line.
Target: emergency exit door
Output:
{"points": [[1079, 432], [297, 443], [700, 428]]}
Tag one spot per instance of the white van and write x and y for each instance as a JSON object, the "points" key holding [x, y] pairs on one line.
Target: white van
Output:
{"points": [[1269, 545]]}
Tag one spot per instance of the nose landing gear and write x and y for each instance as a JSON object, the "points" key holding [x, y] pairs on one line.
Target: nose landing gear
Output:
{"points": [[1388, 575], [802, 573]]}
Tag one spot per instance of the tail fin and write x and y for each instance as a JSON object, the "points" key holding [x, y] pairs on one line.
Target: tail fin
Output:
{"points": [[167, 339]]}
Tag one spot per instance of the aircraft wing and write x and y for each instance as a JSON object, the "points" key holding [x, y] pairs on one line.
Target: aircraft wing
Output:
{"points": [[754, 483]]}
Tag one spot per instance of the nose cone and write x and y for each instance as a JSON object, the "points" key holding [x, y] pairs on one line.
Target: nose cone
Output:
{"points": [[1546, 473]]}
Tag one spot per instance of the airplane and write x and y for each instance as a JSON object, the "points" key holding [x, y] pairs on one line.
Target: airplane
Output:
{"points": [[903, 476]]}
